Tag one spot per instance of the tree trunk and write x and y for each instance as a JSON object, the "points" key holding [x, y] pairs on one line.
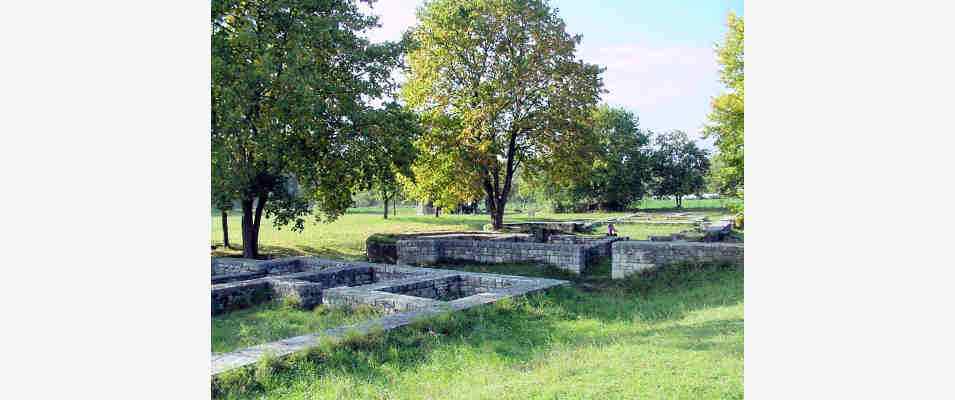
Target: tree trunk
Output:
{"points": [[249, 236], [250, 225], [225, 228], [497, 216], [679, 201], [386, 207], [436, 211]]}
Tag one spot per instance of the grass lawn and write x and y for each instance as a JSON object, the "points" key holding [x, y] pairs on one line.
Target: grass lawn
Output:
{"points": [[677, 334], [673, 335], [644, 231], [273, 321], [345, 237], [688, 204]]}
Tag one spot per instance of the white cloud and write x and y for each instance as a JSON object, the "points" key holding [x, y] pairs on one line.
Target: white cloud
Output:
{"points": [[668, 87]]}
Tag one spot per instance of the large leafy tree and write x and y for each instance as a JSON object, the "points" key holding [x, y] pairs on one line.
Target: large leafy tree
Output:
{"points": [[498, 87], [291, 121], [679, 166], [726, 118], [621, 168]]}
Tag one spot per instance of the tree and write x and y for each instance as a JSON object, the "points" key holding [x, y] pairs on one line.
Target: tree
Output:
{"points": [[222, 199], [621, 168], [498, 87], [726, 119], [224, 204], [395, 154], [679, 166], [291, 122]]}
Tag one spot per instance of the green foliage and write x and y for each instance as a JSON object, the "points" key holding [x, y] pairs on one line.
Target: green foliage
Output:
{"points": [[382, 238], [621, 167], [679, 166], [726, 118], [497, 86], [291, 125], [395, 152]]}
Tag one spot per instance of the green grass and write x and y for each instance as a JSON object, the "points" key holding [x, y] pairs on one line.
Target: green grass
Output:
{"points": [[273, 321], [658, 204], [345, 237], [674, 334], [644, 231]]}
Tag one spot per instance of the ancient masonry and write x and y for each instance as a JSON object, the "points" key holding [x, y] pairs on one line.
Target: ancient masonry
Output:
{"points": [[404, 293], [567, 252], [634, 256]]}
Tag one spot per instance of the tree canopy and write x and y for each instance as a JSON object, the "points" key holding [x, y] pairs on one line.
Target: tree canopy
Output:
{"points": [[292, 120], [498, 87], [679, 166], [621, 166], [726, 118]]}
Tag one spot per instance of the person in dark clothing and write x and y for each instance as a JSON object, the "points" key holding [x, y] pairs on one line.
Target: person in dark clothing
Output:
{"points": [[611, 231]]}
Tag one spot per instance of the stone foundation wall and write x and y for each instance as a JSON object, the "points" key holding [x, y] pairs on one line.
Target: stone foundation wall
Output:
{"points": [[634, 256], [237, 295], [229, 265], [379, 252], [405, 294], [298, 279], [571, 257]]}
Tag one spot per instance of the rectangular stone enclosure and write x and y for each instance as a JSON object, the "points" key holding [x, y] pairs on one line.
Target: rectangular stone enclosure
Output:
{"points": [[405, 293], [630, 257], [573, 255]]}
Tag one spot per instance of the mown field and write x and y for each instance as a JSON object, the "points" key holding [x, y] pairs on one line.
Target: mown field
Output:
{"points": [[345, 237]]}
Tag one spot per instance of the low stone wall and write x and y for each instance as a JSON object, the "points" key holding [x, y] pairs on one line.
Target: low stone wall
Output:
{"points": [[405, 294], [572, 257], [298, 279], [381, 252], [229, 265], [383, 248], [237, 295], [634, 256]]}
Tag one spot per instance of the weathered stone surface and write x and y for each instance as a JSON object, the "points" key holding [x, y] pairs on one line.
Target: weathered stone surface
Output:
{"points": [[229, 265], [633, 256], [407, 293], [573, 257]]}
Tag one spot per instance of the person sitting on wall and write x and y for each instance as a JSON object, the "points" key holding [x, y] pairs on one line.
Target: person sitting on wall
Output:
{"points": [[611, 231]]}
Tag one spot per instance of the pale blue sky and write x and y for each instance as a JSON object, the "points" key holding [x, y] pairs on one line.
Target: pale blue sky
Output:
{"points": [[658, 54]]}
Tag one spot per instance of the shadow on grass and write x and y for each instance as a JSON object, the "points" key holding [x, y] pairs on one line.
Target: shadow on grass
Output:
{"points": [[470, 221], [524, 331], [267, 252]]}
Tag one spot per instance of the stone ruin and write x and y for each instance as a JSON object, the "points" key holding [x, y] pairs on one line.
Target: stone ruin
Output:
{"points": [[634, 256], [404, 293], [569, 252]]}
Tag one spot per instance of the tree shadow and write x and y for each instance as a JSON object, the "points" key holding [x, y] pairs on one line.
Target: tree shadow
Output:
{"points": [[268, 252], [442, 220]]}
